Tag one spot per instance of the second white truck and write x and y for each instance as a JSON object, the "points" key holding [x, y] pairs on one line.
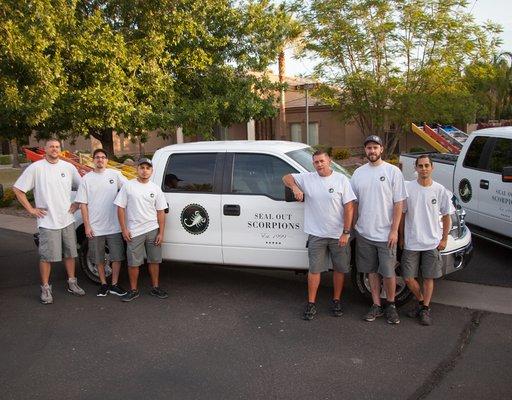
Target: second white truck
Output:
{"points": [[480, 177]]}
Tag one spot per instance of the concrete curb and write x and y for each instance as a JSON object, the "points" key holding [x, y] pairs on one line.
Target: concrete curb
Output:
{"points": [[19, 224]]}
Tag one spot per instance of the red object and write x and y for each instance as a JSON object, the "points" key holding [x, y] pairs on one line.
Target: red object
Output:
{"points": [[441, 140], [35, 154]]}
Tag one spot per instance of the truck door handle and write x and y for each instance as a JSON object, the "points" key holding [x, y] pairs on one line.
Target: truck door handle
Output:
{"points": [[484, 184], [231, 209]]}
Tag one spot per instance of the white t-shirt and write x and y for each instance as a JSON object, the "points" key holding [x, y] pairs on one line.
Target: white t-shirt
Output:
{"points": [[141, 200], [377, 190], [323, 202], [423, 228], [98, 191], [52, 184]]}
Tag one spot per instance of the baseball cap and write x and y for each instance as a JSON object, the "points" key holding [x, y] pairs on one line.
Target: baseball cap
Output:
{"points": [[145, 160], [373, 138]]}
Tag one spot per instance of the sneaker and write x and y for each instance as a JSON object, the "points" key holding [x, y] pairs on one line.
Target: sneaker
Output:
{"points": [[309, 312], [392, 315], [46, 294], [102, 291], [414, 312], [374, 313], [74, 288], [336, 308], [425, 317], [157, 292], [130, 295], [117, 290]]}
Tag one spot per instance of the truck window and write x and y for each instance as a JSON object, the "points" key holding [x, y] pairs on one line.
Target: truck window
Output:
{"points": [[192, 172], [304, 157], [501, 155], [474, 152], [259, 174]]}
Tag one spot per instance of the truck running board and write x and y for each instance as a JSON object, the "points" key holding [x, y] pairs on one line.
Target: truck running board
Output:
{"points": [[490, 236]]}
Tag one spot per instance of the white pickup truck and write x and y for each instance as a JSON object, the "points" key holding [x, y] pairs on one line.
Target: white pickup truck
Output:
{"points": [[227, 206], [481, 179]]}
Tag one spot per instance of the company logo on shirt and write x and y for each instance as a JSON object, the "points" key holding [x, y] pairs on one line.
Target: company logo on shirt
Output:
{"points": [[151, 195], [111, 181], [194, 219], [331, 190], [382, 178], [434, 201], [63, 174]]}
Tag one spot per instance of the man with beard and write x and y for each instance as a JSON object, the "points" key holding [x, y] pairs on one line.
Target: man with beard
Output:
{"points": [[422, 237], [380, 191], [52, 180], [327, 219], [97, 194], [140, 209]]}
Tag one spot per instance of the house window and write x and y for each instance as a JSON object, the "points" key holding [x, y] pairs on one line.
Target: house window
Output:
{"points": [[296, 132], [313, 134]]}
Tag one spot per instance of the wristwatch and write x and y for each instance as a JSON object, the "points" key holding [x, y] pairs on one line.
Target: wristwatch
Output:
{"points": [[346, 231]]}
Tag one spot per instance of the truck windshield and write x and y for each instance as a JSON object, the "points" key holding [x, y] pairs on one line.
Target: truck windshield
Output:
{"points": [[304, 157]]}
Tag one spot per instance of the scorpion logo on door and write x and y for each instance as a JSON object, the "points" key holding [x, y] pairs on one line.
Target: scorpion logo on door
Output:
{"points": [[194, 219]]}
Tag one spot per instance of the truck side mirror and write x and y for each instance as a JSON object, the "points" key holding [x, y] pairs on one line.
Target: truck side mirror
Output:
{"points": [[506, 174], [288, 195]]}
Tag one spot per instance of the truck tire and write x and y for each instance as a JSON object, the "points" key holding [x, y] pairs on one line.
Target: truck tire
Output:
{"points": [[361, 283], [88, 267]]}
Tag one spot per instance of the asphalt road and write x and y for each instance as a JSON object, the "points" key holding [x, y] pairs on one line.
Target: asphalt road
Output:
{"points": [[233, 334]]}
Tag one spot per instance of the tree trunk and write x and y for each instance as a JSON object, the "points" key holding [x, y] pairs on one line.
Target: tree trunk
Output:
{"points": [[281, 126], [105, 136], [14, 152]]}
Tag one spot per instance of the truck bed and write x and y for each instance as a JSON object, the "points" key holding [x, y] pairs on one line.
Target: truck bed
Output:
{"points": [[444, 167]]}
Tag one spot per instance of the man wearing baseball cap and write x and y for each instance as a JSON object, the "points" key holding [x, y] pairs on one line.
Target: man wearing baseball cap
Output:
{"points": [[380, 191], [140, 207]]}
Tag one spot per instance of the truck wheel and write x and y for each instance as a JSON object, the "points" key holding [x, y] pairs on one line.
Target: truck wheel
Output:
{"points": [[88, 267], [361, 283]]}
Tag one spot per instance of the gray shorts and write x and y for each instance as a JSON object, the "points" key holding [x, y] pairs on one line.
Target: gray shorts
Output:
{"points": [[55, 244], [143, 243], [320, 248], [375, 257], [428, 262], [115, 248]]}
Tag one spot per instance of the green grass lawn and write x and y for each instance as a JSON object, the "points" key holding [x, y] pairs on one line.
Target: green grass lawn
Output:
{"points": [[8, 176]]}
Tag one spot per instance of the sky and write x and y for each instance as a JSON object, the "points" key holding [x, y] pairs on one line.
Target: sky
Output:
{"points": [[499, 11]]}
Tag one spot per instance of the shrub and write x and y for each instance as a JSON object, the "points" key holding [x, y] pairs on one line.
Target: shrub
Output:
{"points": [[417, 149], [393, 160], [341, 153], [8, 198], [5, 159]]}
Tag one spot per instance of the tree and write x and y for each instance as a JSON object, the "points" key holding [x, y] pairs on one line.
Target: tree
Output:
{"points": [[389, 63], [490, 82], [31, 73]]}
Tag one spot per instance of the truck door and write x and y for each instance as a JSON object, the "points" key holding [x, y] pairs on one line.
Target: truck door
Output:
{"points": [[467, 177], [259, 228], [191, 183], [496, 195]]}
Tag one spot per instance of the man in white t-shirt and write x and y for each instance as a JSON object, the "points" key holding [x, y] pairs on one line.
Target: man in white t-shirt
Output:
{"points": [[380, 191], [52, 180], [328, 199], [140, 207], [96, 196], [423, 237]]}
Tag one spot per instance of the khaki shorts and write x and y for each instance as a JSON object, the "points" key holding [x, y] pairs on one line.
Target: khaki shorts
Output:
{"points": [[428, 262], [143, 245], [320, 248], [56, 244], [115, 248], [375, 257]]}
